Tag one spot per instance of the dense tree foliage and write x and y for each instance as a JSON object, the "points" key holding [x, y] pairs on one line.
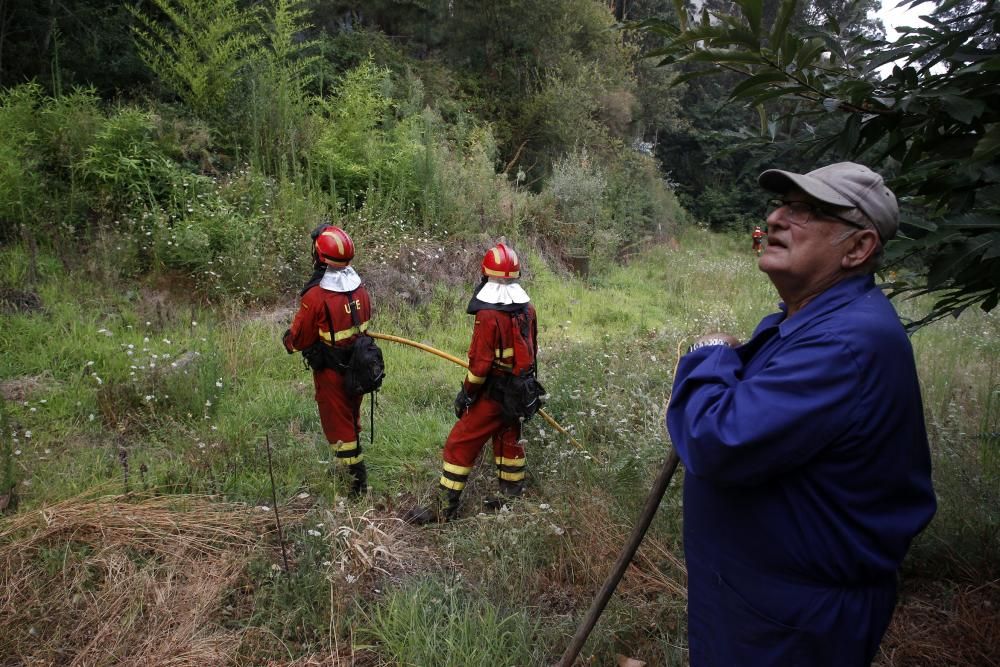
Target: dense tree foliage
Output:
{"points": [[461, 116], [931, 123]]}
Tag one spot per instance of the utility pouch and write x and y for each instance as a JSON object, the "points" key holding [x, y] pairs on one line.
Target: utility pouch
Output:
{"points": [[319, 356], [520, 396]]}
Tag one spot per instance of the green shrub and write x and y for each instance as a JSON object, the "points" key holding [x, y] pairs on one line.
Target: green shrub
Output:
{"points": [[350, 147], [125, 164], [578, 185], [21, 183]]}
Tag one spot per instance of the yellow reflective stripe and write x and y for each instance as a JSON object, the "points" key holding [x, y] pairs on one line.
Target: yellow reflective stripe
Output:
{"points": [[512, 476], [501, 461], [458, 470], [501, 274], [452, 484], [503, 366], [344, 446], [352, 460], [503, 354], [346, 333], [474, 379]]}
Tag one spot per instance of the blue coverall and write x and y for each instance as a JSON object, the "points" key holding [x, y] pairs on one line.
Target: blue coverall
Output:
{"points": [[807, 474]]}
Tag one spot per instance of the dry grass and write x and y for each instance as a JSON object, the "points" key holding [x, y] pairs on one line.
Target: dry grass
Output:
{"points": [[20, 388], [114, 580], [593, 547], [939, 625], [371, 548]]}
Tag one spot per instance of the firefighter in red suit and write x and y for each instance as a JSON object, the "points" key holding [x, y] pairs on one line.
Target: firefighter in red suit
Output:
{"points": [[757, 236], [498, 301], [324, 328]]}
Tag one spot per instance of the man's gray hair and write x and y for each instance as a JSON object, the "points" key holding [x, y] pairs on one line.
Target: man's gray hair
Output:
{"points": [[857, 216]]}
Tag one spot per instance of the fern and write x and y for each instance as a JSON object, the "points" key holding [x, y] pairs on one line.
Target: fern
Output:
{"points": [[280, 102], [201, 52]]}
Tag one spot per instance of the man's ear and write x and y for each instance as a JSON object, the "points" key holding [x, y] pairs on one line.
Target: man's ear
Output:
{"points": [[863, 246]]}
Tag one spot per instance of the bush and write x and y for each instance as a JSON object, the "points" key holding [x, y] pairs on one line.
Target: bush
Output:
{"points": [[21, 184], [350, 148], [125, 165]]}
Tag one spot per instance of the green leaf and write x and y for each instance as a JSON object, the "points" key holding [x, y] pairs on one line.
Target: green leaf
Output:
{"points": [[753, 10], [778, 92], [963, 109], [680, 8], [757, 80], [988, 146], [724, 56], [950, 264], [994, 250], [850, 134], [780, 27], [806, 57]]}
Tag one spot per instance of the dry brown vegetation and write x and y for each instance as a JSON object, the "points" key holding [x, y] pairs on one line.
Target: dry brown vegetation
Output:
{"points": [[944, 624], [164, 580], [113, 580]]}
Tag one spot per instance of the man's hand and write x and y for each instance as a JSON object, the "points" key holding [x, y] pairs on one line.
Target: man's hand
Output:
{"points": [[462, 403], [286, 340], [717, 338]]}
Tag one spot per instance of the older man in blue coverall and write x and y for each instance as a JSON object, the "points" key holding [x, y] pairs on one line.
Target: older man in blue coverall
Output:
{"points": [[807, 465]]}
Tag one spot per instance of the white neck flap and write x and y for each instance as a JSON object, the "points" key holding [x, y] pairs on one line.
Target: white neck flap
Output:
{"points": [[502, 294], [340, 280]]}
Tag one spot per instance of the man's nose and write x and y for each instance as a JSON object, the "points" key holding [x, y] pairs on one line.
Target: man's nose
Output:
{"points": [[776, 218]]}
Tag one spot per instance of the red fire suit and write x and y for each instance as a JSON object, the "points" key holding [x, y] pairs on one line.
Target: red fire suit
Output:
{"points": [[757, 236], [339, 412], [491, 355]]}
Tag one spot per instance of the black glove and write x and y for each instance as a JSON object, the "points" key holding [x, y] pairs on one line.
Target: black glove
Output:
{"points": [[462, 403], [285, 341]]}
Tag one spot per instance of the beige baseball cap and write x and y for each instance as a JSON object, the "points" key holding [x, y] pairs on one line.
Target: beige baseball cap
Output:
{"points": [[843, 184]]}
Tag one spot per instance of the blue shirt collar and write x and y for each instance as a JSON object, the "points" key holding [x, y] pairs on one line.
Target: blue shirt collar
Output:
{"points": [[833, 298]]}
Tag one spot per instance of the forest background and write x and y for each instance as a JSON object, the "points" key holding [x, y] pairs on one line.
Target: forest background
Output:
{"points": [[161, 165]]}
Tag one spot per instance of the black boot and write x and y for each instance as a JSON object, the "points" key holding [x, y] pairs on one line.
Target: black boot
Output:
{"points": [[359, 478], [444, 508], [511, 489], [508, 491]]}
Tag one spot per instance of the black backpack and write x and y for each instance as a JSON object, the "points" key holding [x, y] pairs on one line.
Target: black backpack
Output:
{"points": [[364, 370], [520, 394]]}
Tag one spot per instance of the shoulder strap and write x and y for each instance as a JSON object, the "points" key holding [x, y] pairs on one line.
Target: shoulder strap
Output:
{"points": [[329, 321], [354, 311]]}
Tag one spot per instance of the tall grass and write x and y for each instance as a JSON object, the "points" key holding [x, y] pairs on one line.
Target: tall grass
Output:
{"points": [[94, 399]]}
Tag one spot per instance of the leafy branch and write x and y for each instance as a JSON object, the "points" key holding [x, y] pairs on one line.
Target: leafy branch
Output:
{"points": [[932, 124]]}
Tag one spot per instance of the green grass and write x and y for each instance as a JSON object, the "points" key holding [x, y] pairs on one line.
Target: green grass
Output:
{"points": [[100, 404]]}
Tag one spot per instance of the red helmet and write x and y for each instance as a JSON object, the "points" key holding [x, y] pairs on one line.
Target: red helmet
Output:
{"points": [[334, 247], [501, 262]]}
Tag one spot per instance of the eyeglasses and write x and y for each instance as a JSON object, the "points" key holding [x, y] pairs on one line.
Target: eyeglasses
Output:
{"points": [[801, 212]]}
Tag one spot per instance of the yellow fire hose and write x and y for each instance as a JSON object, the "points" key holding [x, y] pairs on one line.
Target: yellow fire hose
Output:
{"points": [[660, 485], [463, 364]]}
